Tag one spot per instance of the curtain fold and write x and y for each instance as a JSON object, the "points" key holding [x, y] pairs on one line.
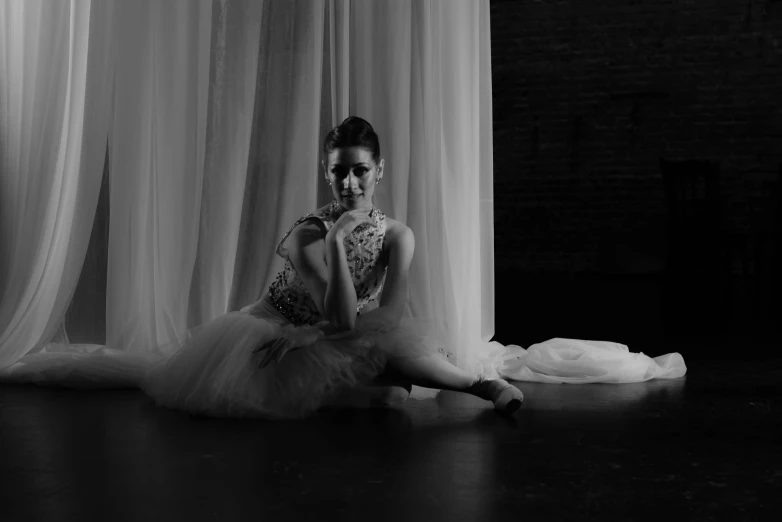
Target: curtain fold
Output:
{"points": [[215, 123], [422, 77], [282, 180], [157, 149], [236, 30], [55, 90]]}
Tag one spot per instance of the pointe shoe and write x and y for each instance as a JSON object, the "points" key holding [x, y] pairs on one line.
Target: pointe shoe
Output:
{"points": [[507, 398]]}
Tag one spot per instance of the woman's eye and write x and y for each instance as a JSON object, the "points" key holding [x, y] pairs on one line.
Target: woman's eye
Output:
{"points": [[344, 172]]}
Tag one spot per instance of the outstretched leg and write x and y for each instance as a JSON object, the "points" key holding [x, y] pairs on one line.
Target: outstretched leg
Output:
{"points": [[383, 391], [430, 371], [433, 371], [395, 384]]}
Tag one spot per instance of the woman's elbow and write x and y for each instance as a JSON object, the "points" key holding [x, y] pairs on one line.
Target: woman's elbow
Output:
{"points": [[342, 318], [345, 327], [393, 320], [343, 324], [395, 315]]}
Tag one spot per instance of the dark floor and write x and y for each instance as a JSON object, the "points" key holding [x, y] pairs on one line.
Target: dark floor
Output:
{"points": [[705, 447]]}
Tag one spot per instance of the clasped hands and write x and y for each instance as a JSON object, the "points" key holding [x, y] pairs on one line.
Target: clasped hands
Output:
{"points": [[349, 222]]}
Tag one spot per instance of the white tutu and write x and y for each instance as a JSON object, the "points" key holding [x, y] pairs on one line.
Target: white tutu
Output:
{"points": [[217, 371]]}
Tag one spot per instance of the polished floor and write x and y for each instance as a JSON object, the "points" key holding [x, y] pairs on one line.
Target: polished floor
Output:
{"points": [[704, 447]]}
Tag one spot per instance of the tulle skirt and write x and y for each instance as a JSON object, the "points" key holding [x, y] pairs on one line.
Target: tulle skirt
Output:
{"points": [[218, 370]]}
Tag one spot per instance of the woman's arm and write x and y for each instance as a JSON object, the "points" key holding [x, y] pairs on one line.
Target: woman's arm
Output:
{"points": [[339, 301], [329, 285], [328, 281], [394, 297]]}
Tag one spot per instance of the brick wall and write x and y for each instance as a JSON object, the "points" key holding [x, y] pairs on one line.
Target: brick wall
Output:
{"points": [[588, 96]]}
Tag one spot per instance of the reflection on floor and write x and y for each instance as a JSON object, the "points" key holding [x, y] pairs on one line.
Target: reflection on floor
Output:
{"points": [[704, 447]]}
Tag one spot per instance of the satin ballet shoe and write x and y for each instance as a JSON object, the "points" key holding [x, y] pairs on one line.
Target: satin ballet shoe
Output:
{"points": [[507, 398]]}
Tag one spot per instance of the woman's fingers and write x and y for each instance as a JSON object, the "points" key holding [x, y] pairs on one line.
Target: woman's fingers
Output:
{"points": [[352, 219]]}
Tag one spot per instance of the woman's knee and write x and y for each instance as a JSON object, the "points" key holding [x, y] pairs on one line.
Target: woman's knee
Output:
{"points": [[392, 395], [376, 394]]}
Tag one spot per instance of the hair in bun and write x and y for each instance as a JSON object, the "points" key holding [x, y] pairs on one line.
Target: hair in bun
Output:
{"points": [[353, 132]]}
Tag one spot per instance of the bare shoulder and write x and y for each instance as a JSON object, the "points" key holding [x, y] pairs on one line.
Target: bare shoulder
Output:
{"points": [[309, 231], [398, 234]]}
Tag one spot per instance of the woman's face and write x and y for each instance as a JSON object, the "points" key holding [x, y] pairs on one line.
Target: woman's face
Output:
{"points": [[353, 174]]}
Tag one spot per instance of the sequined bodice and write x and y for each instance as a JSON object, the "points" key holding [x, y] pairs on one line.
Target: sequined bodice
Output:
{"points": [[363, 249]]}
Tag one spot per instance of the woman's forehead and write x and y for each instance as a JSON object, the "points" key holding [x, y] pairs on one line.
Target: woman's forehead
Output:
{"points": [[350, 156]]}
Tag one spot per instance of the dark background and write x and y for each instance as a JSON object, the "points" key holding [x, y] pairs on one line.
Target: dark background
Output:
{"points": [[588, 97]]}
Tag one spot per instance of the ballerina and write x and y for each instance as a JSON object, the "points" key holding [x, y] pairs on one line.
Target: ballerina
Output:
{"points": [[307, 342]]}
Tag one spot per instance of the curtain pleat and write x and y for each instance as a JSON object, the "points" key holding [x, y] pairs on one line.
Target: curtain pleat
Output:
{"points": [[55, 93], [236, 30], [157, 149], [424, 82], [283, 177]]}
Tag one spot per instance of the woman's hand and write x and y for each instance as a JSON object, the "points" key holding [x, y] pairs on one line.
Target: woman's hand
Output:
{"points": [[348, 222]]}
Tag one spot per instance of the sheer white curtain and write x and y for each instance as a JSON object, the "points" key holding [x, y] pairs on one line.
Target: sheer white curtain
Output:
{"points": [[423, 67], [236, 30], [283, 167], [214, 130], [55, 95], [157, 149]]}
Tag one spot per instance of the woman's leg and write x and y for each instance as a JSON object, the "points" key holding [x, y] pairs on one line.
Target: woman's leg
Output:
{"points": [[435, 372], [384, 391], [430, 372]]}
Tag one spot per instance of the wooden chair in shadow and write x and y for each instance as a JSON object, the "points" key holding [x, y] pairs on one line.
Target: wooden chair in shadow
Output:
{"points": [[693, 278]]}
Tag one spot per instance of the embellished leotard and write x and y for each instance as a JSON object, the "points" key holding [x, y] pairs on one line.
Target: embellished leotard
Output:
{"points": [[363, 250]]}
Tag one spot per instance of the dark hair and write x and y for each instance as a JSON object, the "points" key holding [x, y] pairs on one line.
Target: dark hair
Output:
{"points": [[353, 132]]}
